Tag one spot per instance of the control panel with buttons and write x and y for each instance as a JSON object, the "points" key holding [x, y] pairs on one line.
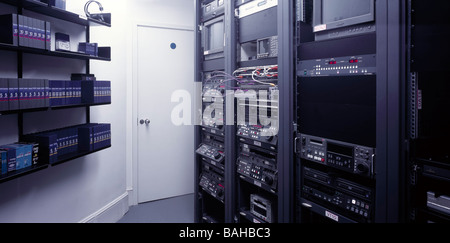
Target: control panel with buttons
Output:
{"points": [[337, 154], [351, 198], [213, 184], [349, 203], [213, 9], [211, 152], [339, 66], [256, 168], [266, 137], [346, 31], [213, 102]]}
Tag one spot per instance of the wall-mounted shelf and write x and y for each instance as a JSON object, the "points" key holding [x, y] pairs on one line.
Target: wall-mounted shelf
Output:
{"points": [[104, 54], [51, 108], [72, 55], [72, 156], [43, 8], [23, 172], [35, 168]]}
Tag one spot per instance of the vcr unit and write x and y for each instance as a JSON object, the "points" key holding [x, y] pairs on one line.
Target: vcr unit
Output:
{"points": [[212, 181], [258, 167], [348, 157], [343, 196]]}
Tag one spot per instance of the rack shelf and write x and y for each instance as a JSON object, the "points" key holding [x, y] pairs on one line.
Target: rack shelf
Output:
{"points": [[427, 215], [51, 108], [316, 208], [210, 220], [250, 217], [261, 62], [51, 11], [76, 155], [22, 172], [214, 196], [73, 55], [35, 168], [258, 184]]}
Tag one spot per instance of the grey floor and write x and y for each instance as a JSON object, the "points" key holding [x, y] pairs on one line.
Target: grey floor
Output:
{"points": [[173, 210]]}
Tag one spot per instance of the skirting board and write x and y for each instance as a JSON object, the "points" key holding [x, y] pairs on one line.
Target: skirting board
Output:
{"points": [[110, 213]]}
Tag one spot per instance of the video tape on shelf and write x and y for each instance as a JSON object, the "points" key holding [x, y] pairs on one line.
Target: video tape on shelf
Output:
{"points": [[20, 94], [78, 91], [95, 92], [4, 95], [19, 30], [71, 140], [88, 48], [17, 156]]}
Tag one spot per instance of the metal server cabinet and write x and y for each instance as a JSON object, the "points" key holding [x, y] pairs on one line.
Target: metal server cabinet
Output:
{"points": [[285, 28], [286, 62], [428, 121], [352, 54], [257, 184], [210, 144]]}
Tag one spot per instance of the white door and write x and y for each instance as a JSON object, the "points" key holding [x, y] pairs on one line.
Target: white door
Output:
{"points": [[165, 64]]}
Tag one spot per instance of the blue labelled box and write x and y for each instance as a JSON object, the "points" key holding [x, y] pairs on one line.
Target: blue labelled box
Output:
{"points": [[10, 158]]}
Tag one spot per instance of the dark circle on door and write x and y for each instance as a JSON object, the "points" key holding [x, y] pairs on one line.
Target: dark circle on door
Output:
{"points": [[173, 46]]}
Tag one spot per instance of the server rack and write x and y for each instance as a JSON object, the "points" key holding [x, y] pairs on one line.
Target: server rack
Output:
{"points": [[427, 103], [385, 124], [236, 187], [210, 206], [388, 184]]}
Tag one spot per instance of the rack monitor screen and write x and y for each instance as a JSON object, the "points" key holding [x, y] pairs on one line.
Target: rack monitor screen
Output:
{"points": [[214, 37], [334, 14]]}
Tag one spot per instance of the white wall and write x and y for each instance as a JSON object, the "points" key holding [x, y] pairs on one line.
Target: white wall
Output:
{"points": [[74, 191]]}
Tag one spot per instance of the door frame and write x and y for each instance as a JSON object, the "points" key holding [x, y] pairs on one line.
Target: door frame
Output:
{"points": [[132, 168]]}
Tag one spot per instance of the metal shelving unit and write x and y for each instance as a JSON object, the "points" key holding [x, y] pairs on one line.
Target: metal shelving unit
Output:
{"points": [[104, 55], [71, 55]]}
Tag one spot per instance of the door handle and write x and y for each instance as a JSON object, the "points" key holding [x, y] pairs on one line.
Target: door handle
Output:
{"points": [[146, 122]]}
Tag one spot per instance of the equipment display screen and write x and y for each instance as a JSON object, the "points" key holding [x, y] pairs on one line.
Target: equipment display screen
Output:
{"points": [[215, 36], [339, 149], [333, 10]]}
